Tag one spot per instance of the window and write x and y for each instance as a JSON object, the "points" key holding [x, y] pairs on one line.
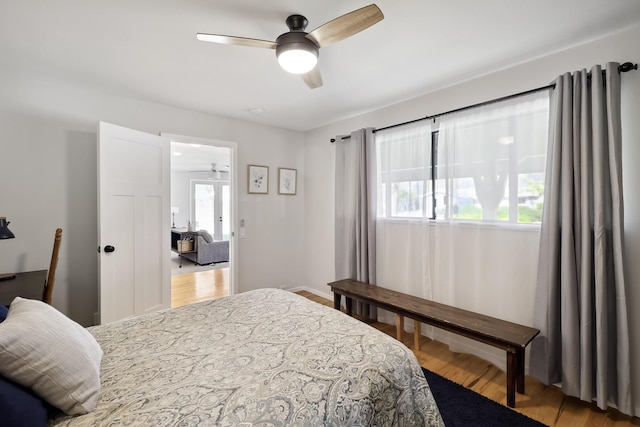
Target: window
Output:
{"points": [[481, 164]]}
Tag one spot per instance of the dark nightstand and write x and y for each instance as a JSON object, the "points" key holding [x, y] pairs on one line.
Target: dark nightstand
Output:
{"points": [[29, 284]]}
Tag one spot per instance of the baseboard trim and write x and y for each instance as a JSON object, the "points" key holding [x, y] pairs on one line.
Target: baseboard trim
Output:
{"points": [[316, 292]]}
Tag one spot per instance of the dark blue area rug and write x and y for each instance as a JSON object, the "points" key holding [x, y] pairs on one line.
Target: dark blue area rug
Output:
{"points": [[462, 407]]}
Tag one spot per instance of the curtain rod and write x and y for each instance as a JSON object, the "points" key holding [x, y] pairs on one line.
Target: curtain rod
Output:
{"points": [[623, 68]]}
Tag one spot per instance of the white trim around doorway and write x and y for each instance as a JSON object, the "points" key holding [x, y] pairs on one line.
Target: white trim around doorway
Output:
{"points": [[233, 181]]}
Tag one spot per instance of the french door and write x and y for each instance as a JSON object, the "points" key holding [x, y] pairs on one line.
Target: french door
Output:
{"points": [[211, 207]]}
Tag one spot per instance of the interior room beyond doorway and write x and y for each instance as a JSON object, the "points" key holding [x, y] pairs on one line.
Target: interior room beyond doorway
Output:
{"points": [[201, 204]]}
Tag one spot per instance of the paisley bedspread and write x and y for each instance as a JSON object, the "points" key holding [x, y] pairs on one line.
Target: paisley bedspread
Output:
{"points": [[262, 358]]}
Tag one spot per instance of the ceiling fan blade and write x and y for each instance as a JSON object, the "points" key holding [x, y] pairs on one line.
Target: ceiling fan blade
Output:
{"points": [[238, 41], [346, 25], [313, 79]]}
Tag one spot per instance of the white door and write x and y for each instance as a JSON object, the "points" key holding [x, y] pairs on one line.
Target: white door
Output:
{"points": [[133, 222]]}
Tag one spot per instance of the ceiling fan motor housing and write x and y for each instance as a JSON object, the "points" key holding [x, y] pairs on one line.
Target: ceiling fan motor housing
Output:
{"points": [[295, 40], [296, 53]]}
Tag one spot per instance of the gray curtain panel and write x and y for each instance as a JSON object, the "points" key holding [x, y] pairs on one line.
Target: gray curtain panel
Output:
{"points": [[355, 210], [581, 305]]}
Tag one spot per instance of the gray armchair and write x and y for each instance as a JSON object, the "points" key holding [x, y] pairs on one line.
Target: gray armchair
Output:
{"points": [[208, 251]]}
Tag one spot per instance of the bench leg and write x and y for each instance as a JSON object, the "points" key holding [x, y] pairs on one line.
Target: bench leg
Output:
{"points": [[399, 326], [520, 370], [511, 378], [349, 303], [336, 300], [416, 334]]}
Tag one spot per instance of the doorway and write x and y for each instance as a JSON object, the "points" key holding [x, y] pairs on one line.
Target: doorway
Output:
{"points": [[203, 206]]}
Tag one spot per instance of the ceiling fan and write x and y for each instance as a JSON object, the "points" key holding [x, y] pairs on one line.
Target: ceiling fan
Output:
{"points": [[215, 170], [297, 51]]}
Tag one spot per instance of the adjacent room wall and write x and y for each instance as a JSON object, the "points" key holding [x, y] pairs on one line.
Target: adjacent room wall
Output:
{"points": [[319, 155], [48, 180]]}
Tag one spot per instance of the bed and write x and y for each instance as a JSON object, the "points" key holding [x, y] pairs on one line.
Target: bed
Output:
{"points": [[266, 357]]}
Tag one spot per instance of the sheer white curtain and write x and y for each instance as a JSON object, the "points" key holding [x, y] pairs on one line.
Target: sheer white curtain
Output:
{"points": [[477, 255], [403, 246]]}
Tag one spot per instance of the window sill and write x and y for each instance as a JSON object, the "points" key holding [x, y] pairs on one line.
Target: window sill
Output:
{"points": [[489, 225]]}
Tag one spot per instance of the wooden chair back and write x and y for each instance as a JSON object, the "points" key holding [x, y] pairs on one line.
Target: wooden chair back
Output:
{"points": [[51, 278]]}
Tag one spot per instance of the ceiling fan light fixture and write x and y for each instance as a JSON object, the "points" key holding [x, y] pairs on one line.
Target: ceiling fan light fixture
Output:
{"points": [[296, 54], [297, 61]]}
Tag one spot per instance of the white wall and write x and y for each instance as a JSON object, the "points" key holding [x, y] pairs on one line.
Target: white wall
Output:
{"points": [[319, 154], [48, 180]]}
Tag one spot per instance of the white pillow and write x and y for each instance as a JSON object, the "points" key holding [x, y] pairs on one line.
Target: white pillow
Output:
{"points": [[42, 349]]}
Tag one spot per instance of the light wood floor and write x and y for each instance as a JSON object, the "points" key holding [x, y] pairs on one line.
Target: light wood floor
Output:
{"points": [[201, 286], [545, 404]]}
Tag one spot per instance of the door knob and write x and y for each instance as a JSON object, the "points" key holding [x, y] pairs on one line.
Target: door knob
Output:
{"points": [[108, 249]]}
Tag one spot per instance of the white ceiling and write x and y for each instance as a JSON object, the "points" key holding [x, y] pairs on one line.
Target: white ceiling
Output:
{"points": [[187, 157], [146, 49]]}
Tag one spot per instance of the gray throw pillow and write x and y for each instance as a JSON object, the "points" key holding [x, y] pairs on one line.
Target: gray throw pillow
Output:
{"points": [[42, 349], [206, 236]]}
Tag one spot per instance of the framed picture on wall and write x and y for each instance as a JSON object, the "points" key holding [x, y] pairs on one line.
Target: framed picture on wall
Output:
{"points": [[258, 179], [287, 181]]}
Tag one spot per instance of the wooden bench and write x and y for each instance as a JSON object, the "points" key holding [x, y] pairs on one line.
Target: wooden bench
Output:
{"points": [[511, 337]]}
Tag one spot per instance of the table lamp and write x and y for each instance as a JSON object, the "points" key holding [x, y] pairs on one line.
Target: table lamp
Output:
{"points": [[174, 211], [5, 233]]}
